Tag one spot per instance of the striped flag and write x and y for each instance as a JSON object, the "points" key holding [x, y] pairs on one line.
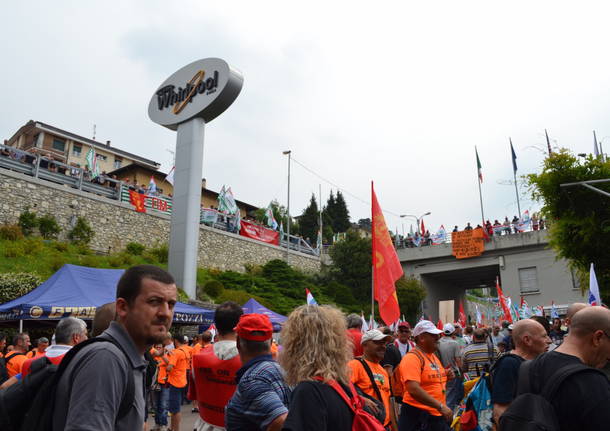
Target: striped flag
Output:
{"points": [[479, 168], [594, 296], [92, 163], [554, 313], [310, 299]]}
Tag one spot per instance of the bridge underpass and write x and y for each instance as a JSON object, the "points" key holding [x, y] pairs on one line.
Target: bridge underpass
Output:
{"points": [[445, 289], [525, 264]]}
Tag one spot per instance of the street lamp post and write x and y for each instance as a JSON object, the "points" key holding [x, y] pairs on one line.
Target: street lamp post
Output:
{"points": [[417, 219], [288, 153]]}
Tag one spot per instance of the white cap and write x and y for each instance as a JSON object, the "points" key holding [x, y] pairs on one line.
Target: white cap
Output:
{"points": [[425, 326], [374, 335], [448, 329]]}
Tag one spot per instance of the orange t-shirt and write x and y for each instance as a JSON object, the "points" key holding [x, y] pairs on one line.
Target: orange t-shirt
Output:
{"points": [[432, 378], [33, 354], [161, 366], [14, 362], [360, 378], [196, 349], [179, 358]]}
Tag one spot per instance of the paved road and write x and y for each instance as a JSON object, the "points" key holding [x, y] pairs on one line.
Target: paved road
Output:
{"points": [[188, 419]]}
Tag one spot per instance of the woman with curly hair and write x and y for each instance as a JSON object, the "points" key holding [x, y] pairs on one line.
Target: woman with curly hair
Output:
{"points": [[316, 350]]}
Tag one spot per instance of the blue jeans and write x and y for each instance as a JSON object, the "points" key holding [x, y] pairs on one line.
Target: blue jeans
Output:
{"points": [[161, 404], [455, 392]]}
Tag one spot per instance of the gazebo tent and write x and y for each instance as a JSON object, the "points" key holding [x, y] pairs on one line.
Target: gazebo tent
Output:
{"points": [[253, 306], [77, 291]]}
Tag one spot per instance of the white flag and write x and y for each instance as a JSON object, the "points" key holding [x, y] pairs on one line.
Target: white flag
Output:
{"points": [[594, 296], [170, 176]]}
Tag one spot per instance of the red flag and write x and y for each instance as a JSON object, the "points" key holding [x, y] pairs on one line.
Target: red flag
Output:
{"points": [[137, 200], [386, 266], [423, 228], [439, 325], [462, 315], [505, 309]]}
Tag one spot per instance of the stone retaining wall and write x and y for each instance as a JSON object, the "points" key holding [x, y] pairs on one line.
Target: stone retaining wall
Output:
{"points": [[116, 224]]}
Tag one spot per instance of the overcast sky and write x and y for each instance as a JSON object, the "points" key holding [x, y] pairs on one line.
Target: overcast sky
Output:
{"points": [[395, 92]]}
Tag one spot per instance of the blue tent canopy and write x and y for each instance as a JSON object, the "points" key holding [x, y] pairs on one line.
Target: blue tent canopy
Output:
{"points": [[77, 291], [253, 306]]}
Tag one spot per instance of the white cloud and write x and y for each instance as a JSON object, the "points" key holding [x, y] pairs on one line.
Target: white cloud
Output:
{"points": [[397, 92]]}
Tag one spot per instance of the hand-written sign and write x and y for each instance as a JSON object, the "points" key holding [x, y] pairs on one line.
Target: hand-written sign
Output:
{"points": [[467, 243]]}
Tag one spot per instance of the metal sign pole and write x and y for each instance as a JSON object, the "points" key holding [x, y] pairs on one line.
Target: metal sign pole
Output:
{"points": [[186, 205]]}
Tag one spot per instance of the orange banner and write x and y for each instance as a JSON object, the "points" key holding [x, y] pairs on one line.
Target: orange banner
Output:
{"points": [[386, 266], [467, 243]]}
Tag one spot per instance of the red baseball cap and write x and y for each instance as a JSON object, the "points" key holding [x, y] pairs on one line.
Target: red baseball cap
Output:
{"points": [[249, 323]]}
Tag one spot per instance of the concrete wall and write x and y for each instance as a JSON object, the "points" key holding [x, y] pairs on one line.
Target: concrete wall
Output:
{"points": [[116, 224], [446, 277]]}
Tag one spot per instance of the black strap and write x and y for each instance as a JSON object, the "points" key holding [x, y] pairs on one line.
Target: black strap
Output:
{"points": [[128, 397], [12, 356], [370, 374], [552, 385], [421, 358]]}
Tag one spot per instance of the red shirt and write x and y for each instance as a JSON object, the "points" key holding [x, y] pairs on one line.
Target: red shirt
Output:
{"points": [[356, 337], [214, 384]]}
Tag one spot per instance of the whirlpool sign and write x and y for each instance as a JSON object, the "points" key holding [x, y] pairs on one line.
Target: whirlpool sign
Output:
{"points": [[204, 88]]}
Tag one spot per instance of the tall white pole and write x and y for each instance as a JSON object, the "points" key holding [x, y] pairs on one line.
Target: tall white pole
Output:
{"points": [[288, 209], [186, 210], [321, 230]]}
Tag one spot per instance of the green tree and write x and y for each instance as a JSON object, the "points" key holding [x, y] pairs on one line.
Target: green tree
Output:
{"points": [[341, 221], [578, 218], [351, 265], [309, 221], [410, 293]]}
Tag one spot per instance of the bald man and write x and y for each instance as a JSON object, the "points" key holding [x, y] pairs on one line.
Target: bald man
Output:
{"points": [[582, 401], [572, 310], [531, 340]]}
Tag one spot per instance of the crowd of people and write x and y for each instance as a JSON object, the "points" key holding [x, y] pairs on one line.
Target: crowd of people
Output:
{"points": [[508, 227], [325, 373]]}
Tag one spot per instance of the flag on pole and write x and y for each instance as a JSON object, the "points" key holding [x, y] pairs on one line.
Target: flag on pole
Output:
{"points": [[439, 324], [462, 315], [595, 147], [525, 312], [310, 298], [152, 186], [513, 155], [423, 228], [554, 313], [170, 176], [92, 163], [548, 142], [594, 296], [386, 266], [365, 325], [271, 222], [539, 310], [502, 299], [479, 168]]}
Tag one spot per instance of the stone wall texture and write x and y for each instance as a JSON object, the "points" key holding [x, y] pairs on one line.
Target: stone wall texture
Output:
{"points": [[116, 224]]}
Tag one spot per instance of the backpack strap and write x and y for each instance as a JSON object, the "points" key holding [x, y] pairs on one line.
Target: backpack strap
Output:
{"points": [[8, 359], [370, 374], [128, 397], [351, 402], [552, 385], [421, 358], [525, 378]]}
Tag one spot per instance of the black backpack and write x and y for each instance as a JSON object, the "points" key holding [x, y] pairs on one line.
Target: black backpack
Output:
{"points": [[3, 370], [532, 409], [29, 404]]}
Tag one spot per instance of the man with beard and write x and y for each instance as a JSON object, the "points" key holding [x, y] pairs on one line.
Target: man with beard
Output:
{"points": [[367, 372], [90, 394]]}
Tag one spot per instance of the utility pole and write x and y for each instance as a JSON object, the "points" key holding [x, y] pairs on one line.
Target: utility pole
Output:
{"points": [[288, 153]]}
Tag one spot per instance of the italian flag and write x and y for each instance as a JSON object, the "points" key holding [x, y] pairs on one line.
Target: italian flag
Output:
{"points": [[479, 166]]}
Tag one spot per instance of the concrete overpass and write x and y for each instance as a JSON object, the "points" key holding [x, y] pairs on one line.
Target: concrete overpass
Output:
{"points": [[525, 264]]}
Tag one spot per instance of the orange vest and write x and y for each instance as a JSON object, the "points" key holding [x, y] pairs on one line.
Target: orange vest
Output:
{"points": [[215, 384]]}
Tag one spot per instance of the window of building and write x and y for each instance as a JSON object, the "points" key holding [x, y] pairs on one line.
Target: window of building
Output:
{"points": [[528, 280], [575, 280], [59, 145], [77, 149], [117, 162], [35, 140], [101, 157]]}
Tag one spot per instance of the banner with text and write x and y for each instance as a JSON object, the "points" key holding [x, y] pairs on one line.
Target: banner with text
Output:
{"points": [[467, 243], [260, 233]]}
